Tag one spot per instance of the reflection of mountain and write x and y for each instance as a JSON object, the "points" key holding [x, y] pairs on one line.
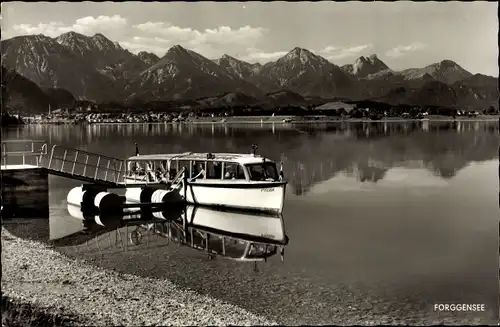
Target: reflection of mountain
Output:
{"points": [[444, 149], [367, 172], [398, 179], [311, 154]]}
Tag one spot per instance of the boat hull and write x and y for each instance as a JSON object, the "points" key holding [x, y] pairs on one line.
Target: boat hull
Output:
{"points": [[265, 197]]}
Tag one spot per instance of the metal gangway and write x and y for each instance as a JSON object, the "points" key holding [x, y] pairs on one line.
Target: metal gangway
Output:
{"points": [[68, 162]]}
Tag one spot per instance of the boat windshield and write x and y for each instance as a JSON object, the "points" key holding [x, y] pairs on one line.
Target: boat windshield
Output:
{"points": [[262, 171]]}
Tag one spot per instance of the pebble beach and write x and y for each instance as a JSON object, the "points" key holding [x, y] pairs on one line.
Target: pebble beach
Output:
{"points": [[34, 274]]}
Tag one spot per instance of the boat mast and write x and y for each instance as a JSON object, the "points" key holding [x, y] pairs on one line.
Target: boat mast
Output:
{"points": [[254, 149]]}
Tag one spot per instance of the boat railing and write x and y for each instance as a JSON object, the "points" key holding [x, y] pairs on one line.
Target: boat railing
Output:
{"points": [[179, 178], [71, 161], [146, 175], [139, 175], [23, 152]]}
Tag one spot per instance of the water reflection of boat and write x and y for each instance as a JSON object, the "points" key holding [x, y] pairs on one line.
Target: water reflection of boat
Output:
{"points": [[234, 235], [241, 236], [93, 227]]}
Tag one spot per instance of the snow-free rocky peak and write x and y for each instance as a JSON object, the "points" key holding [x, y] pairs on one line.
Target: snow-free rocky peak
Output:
{"points": [[303, 56], [236, 67], [177, 50], [187, 74], [364, 66], [97, 50], [186, 60], [297, 62], [82, 43], [103, 42], [445, 71], [54, 63], [303, 72], [148, 57]]}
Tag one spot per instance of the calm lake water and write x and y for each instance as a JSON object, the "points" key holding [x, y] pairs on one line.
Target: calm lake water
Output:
{"points": [[384, 219]]}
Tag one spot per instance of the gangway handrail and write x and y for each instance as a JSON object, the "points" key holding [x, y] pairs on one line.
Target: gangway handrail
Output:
{"points": [[117, 171], [85, 152], [38, 154], [113, 172], [74, 162]]}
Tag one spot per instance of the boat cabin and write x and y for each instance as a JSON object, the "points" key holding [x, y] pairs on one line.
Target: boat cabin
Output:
{"points": [[202, 166]]}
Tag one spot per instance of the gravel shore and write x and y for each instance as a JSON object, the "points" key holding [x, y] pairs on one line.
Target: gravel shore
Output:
{"points": [[34, 274]]}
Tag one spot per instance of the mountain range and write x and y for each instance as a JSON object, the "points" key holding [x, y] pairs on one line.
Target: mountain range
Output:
{"points": [[98, 69], [20, 92]]}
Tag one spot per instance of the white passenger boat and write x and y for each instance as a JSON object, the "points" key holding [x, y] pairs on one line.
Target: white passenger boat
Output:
{"points": [[241, 181]]}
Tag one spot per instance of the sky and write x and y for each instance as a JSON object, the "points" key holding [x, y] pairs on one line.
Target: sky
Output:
{"points": [[403, 34]]}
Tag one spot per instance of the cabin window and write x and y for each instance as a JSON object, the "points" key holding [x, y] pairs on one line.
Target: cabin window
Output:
{"points": [[150, 165], [182, 164], [198, 169], [137, 168], [233, 171], [261, 251], [233, 248], [133, 167], [202, 240], [262, 171], [214, 170], [150, 171], [174, 168], [175, 233], [163, 166], [215, 243], [160, 169]]}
